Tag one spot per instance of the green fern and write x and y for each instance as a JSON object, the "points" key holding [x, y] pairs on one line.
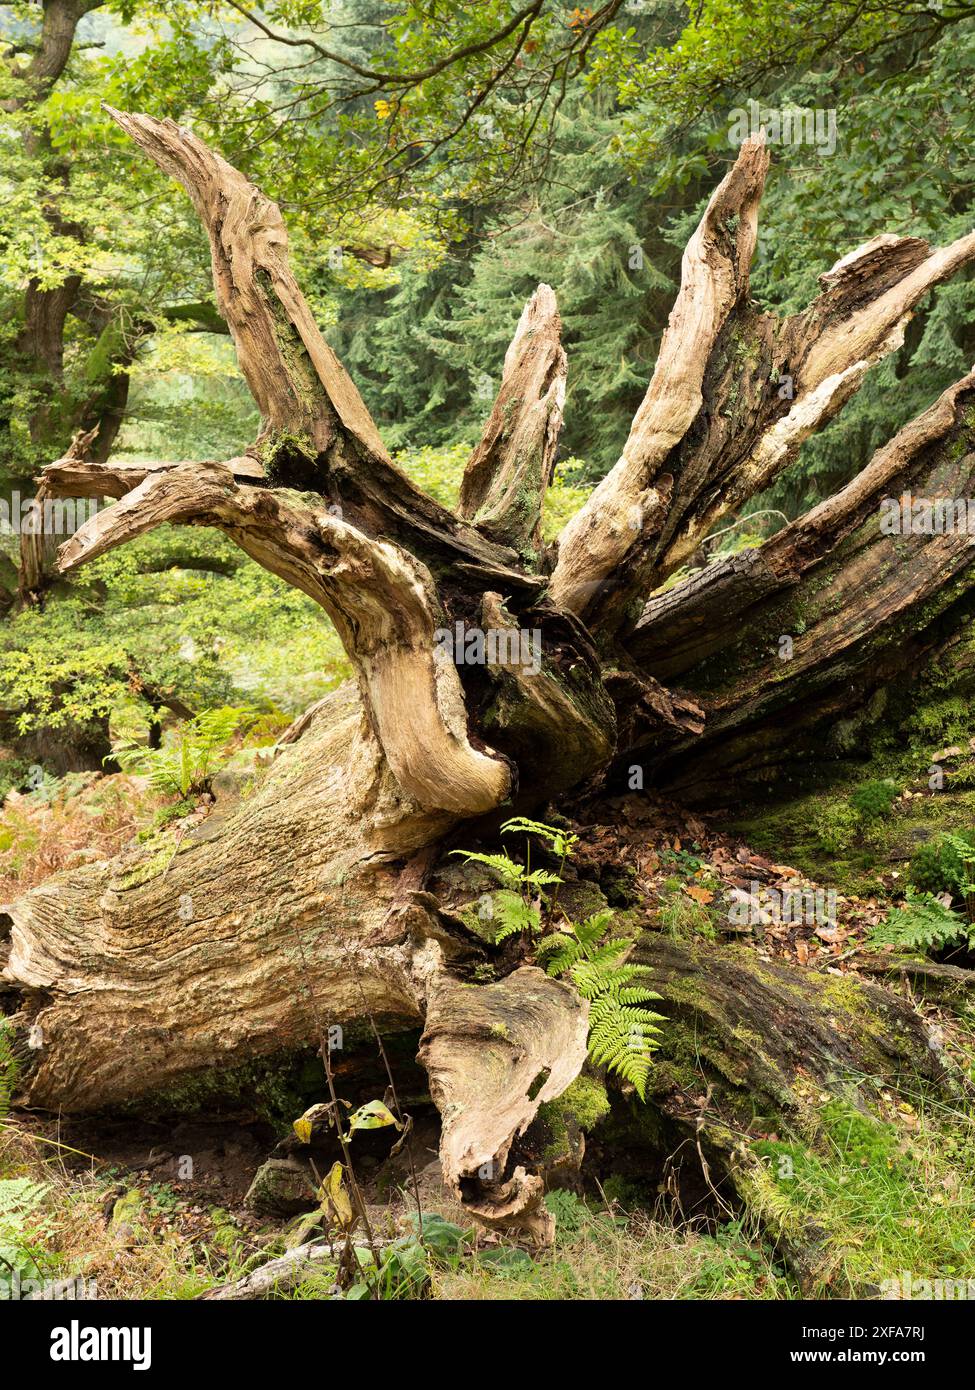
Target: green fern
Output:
{"points": [[185, 766], [561, 842], [622, 1032], [966, 857], [510, 870], [8, 1068], [964, 850], [923, 923], [513, 914], [515, 906], [503, 865], [19, 1258], [565, 948]]}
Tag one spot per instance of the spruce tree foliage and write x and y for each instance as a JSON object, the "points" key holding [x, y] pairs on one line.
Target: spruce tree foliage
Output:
{"points": [[428, 353], [634, 161]]}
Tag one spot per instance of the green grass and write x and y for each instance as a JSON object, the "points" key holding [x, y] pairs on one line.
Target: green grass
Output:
{"points": [[681, 916], [890, 1194], [602, 1254]]}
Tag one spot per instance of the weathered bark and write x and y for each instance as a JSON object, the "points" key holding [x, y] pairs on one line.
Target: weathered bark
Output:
{"points": [[250, 911], [733, 395], [274, 920], [278, 1276], [777, 643], [303, 904], [38, 545], [403, 756], [507, 475]]}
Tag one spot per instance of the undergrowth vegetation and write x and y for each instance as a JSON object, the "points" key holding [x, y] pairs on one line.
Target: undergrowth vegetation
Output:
{"points": [[184, 766], [892, 1191], [798, 1119], [53, 1226], [590, 955], [67, 822]]}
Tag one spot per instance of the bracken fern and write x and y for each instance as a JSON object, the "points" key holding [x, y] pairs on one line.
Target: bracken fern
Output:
{"points": [[185, 766], [622, 1032]]}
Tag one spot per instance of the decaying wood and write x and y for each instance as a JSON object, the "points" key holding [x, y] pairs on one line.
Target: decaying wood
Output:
{"points": [[733, 395], [382, 601], [284, 1273], [552, 735], [141, 971], [681, 627], [507, 475], [278, 1276], [280, 915], [304, 903], [755, 1047], [298, 383], [798, 634], [316, 434], [493, 1057], [37, 545], [635, 496]]}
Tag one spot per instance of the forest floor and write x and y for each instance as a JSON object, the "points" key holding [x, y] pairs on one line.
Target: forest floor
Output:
{"points": [[113, 1200]]}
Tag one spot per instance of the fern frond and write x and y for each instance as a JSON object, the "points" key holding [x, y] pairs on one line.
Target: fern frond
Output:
{"points": [[923, 923], [622, 1033], [637, 995], [513, 914], [540, 878], [562, 842], [610, 952], [556, 940], [594, 978], [130, 755], [562, 951], [965, 851], [18, 1197], [622, 1039], [502, 864], [594, 928], [183, 766]]}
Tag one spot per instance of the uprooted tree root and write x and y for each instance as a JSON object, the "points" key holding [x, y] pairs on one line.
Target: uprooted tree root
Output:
{"points": [[305, 901]]}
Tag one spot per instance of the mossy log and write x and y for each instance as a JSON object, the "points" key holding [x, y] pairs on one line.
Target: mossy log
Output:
{"points": [[754, 1049]]}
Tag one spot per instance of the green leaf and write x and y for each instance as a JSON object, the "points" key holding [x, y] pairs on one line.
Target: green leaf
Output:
{"points": [[373, 1115]]}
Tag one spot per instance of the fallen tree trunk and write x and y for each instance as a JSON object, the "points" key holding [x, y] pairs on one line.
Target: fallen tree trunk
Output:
{"points": [[266, 927], [482, 684], [754, 1049]]}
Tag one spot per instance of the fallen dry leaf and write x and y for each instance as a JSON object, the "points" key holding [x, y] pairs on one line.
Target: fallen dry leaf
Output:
{"points": [[831, 935], [699, 894]]}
